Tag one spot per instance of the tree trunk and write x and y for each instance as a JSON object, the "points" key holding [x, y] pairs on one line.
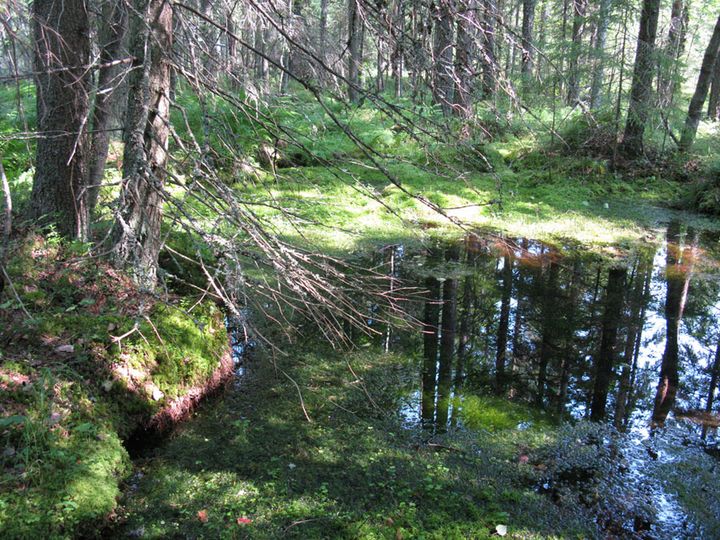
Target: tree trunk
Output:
{"points": [[636, 320], [431, 333], [528, 53], [62, 54], [599, 53], [262, 66], [714, 99], [579, 9], [322, 53], [464, 54], [111, 36], [396, 57], [356, 34], [569, 352], [136, 233], [641, 90], [465, 325], [667, 77], [443, 76], [488, 56], [698, 100], [549, 316]]}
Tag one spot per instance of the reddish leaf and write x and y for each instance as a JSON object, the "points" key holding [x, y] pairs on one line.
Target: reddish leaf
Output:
{"points": [[244, 521]]}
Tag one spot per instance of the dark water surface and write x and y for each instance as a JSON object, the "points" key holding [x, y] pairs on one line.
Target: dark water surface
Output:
{"points": [[630, 347], [555, 385]]}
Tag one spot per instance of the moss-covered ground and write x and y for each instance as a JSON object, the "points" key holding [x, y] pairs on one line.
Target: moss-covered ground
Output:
{"points": [[341, 463], [253, 466], [517, 180], [86, 358]]}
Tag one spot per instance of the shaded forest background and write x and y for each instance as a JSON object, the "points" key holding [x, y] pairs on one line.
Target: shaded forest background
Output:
{"points": [[206, 96]]}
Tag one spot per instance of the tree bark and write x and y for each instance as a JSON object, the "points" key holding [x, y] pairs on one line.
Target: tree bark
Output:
{"points": [[528, 54], [667, 76], [111, 36], [599, 53], [398, 37], [701, 89], [136, 233], [579, 9], [356, 34], [323, 30], [443, 76], [488, 54], [641, 89], [714, 99], [62, 54], [464, 54]]}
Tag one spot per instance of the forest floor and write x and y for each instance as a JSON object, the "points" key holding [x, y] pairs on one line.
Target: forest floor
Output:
{"points": [[252, 465]]}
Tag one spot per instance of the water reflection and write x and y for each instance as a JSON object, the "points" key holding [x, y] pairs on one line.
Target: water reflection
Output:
{"points": [[632, 345], [626, 342]]}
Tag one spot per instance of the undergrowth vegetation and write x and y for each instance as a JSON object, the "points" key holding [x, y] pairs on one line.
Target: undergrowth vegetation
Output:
{"points": [[87, 358], [253, 465]]}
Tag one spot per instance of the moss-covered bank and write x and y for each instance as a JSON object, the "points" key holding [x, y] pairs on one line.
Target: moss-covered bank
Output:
{"points": [[86, 359]]}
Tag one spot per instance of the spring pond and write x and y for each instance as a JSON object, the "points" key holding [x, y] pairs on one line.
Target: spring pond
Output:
{"points": [[542, 389]]}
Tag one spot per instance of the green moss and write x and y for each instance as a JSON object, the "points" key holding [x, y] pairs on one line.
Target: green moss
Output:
{"points": [[63, 457], [352, 472], [493, 414]]}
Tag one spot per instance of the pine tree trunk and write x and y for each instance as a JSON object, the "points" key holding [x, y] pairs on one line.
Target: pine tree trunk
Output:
{"points": [[464, 53], [396, 58], [111, 35], [431, 333], [599, 53], [579, 9], [503, 325], [714, 99], [678, 271], [447, 344], [635, 321], [528, 53], [356, 33], [714, 373], [443, 76], [136, 233], [62, 54], [488, 56], [641, 90], [698, 100], [322, 40], [667, 77]]}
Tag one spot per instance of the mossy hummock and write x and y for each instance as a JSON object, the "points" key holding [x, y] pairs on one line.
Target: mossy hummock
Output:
{"points": [[87, 360]]}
